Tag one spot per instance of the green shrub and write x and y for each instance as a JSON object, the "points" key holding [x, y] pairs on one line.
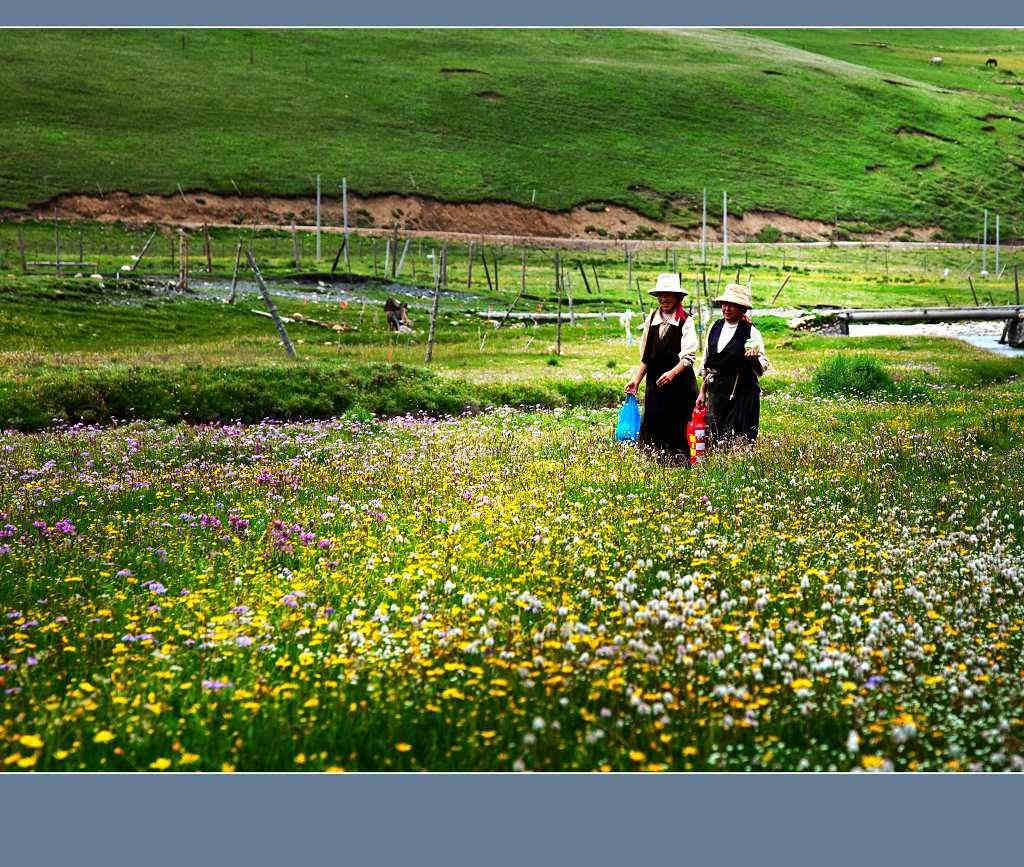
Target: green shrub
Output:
{"points": [[985, 371], [857, 375], [1000, 433], [768, 235], [251, 392], [769, 325]]}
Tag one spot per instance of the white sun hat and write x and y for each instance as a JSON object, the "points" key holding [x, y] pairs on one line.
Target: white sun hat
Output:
{"points": [[667, 283], [736, 293]]}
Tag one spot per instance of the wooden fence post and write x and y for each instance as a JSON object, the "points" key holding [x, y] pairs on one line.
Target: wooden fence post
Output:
{"points": [[394, 252], [700, 321], [522, 289], [295, 246], [318, 218], [629, 273], [142, 252], [234, 273], [271, 307], [975, 294], [182, 260], [558, 292], [209, 253], [586, 282], [433, 308], [344, 211], [483, 255], [469, 268], [56, 238], [783, 286], [567, 283], [401, 262], [21, 249]]}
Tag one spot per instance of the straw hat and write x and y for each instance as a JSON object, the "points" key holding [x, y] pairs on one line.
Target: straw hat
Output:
{"points": [[736, 293], [667, 283]]}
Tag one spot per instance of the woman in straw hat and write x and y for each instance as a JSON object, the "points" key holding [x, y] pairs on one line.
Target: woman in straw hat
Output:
{"points": [[733, 360], [667, 350]]}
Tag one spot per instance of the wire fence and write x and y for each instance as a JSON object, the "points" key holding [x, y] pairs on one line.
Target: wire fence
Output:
{"points": [[598, 274]]}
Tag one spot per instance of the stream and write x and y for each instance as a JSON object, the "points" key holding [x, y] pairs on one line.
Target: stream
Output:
{"points": [[984, 335]]}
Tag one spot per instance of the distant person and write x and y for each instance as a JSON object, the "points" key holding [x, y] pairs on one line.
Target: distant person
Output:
{"points": [[668, 347], [397, 316], [391, 309], [734, 360]]}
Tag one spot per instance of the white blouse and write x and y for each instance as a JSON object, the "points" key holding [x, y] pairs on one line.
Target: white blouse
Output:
{"points": [[725, 335], [688, 339]]}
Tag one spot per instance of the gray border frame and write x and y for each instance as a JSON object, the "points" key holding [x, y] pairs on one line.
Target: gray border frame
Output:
{"points": [[570, 819], [535, 13]]}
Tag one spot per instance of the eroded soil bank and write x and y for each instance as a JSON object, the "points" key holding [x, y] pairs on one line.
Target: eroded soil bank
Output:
{"points": [[594, 221]]}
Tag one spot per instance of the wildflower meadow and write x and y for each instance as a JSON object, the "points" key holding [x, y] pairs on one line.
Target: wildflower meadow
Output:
{"points": [[512, 590]]}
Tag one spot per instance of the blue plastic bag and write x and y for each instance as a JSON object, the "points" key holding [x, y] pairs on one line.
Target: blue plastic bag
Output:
{"points": [[629, 420]]}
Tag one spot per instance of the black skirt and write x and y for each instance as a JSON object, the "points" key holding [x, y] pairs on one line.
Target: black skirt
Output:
{"points": [[667, 410], [733, 416]]}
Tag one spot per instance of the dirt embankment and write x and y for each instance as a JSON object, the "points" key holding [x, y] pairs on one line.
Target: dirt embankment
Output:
{"points": [[421, 214]]}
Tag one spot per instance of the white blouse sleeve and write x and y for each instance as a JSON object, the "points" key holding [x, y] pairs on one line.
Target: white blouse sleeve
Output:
{"points": [[688, 342], [757, 340]]}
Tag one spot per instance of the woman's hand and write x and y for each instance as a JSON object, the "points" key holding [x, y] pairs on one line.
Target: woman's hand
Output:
{"points": [[632, 386], [665, 378], [700, 400]]}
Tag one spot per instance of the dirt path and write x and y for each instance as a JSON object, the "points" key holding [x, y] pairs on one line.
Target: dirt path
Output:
{"points": [[499, 222]]}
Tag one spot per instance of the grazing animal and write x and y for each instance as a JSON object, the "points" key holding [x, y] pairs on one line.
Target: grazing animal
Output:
{"points": [[991, 62], [935, 60]]}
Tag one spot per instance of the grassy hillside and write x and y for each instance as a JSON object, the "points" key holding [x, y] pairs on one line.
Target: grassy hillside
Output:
{"points": [[804, 122]]}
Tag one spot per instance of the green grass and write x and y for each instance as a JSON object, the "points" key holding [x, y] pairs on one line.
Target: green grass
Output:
{"points": [[642, 118], [76, 352]]}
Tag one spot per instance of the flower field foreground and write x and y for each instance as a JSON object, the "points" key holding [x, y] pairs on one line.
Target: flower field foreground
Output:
{"points": [[510, 591]]}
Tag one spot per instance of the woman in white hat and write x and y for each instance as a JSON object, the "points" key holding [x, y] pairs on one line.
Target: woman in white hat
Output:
{"points": [[734, 359], [667, 351]]}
